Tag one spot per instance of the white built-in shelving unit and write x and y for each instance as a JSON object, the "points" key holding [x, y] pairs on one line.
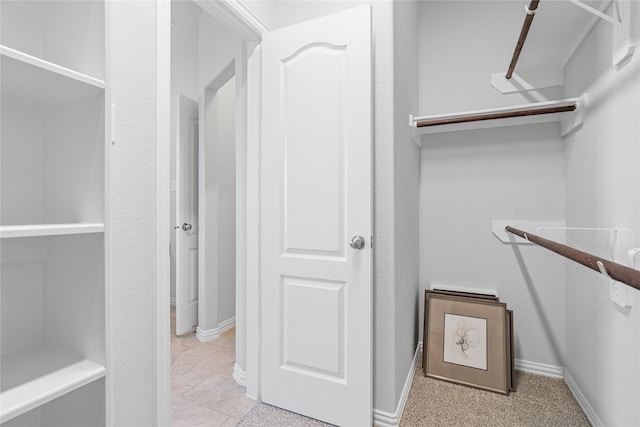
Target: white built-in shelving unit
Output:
{"points": [[52, 213]]}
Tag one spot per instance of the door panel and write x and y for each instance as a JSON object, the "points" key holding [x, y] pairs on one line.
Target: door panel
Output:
{"points": [[187, 213], [313, 340], [316, 133], [316, 194], [193, 276]]}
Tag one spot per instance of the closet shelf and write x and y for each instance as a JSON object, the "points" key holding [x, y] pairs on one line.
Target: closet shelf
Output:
{"points": [[39, 230], [568, 112], [33, 377], [36, 82]]}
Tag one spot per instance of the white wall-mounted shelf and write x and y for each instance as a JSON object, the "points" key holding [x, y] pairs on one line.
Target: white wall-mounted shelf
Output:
{"points": [[37, 82], [498, 229], [38, 375], [39, 230], [538, 112], [53, 63]]}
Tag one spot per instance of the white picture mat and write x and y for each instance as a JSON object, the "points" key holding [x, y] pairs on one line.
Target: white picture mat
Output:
{"points": [[465, 341]]}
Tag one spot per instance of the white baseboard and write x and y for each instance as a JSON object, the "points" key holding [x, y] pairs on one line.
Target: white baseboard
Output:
{"points": [[591, 414], [388, 419], [539, 368], [239, 375], [213, 334]]}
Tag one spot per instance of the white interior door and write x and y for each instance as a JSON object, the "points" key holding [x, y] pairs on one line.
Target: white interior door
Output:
{"points": [[187, 217], [316, 197]]}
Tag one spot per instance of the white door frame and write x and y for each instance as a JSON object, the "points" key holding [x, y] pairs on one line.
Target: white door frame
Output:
{"points": [[239, 19], [162, 217]]}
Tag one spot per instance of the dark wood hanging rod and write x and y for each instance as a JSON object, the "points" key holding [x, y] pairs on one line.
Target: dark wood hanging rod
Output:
{"points": [[499, 115], [619, 272], [531, 11]]}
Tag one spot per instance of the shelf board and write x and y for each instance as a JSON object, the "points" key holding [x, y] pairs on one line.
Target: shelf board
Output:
{"points": [[39, 230], [33, 377], [36, 82], [570, 116]]}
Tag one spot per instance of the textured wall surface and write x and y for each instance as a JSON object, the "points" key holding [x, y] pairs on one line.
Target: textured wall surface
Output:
{"points": [[406, 189], [603, 190], [132, 322]]}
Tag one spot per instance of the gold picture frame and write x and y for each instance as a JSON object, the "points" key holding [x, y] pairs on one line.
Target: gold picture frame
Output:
{"points": [[467, 340]]}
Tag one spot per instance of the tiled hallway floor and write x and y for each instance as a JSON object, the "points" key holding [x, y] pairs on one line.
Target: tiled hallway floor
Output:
{"points": [[203, 391]]}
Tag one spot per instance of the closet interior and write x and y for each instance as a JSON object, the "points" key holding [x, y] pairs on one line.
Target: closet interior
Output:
{"points": [[52, 218], [489, 158]]}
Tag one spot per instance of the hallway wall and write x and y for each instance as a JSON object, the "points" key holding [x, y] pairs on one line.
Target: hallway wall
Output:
{"points": [[603, 190], [217, 49], [224, 198], [131, 382]]}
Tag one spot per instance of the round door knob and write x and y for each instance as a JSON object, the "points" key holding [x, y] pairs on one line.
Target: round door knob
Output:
{"points": [[357, 242], [186, 227]]}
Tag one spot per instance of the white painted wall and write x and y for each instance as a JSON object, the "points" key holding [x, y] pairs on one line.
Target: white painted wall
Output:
{"points": [[603, 190], [132, 322], [406, 190], [226, 140], [221, 199], [289, 12], [263, 10], [22, 163], [470, 178], [467, 180], [218, 48]]}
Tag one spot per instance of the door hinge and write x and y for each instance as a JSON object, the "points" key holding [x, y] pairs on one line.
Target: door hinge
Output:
{"points": [[371, 242]]}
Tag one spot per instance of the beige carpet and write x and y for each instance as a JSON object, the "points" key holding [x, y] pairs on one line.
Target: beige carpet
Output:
{"points": [[538, 401], [263, 415]]}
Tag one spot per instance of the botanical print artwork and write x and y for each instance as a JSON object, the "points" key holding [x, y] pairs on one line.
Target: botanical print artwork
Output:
{"points": [[465, 341]]}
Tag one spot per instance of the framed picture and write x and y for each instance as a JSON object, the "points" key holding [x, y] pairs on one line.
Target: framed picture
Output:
{"points": [[467, 340], [510, 373], [460, 294]]}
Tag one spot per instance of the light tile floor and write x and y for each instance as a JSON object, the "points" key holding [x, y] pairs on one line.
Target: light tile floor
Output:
{"points": [[203, 391]]}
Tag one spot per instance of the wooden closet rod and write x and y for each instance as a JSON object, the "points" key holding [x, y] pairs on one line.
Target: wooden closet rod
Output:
{"points": [[500, 115], [531, 11], [619, 272]]}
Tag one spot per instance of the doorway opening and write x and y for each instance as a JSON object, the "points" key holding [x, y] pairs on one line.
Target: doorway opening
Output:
{"points": [[203, 215]]}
